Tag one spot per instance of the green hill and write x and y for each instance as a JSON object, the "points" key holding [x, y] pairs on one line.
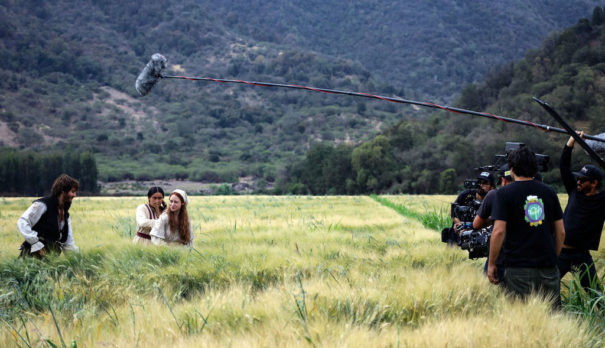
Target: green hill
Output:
{"points": [[431, 47], [69, 68], [435, 155]]}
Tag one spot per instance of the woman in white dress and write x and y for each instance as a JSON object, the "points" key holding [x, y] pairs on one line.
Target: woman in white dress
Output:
{"points": [[147, 214], [174, 227]]}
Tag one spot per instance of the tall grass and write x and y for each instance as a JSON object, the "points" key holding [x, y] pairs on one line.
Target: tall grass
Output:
{"points": [[265, 271], [586, 303], [435, 220]]}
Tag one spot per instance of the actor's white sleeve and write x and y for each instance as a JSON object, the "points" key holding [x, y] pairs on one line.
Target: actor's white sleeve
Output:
{"points": [[158, 231], [70, 244], [143, 219], [28, 220], [158, 241]]}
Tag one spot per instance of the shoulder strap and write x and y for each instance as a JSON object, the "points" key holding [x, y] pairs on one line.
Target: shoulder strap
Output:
{"points": [[151, 212]]}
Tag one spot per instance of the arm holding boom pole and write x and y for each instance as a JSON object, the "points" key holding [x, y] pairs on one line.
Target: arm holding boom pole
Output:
{"points": [[572, 132]]}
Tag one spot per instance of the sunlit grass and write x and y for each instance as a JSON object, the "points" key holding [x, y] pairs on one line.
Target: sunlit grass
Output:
{"points": [[266, 271]]}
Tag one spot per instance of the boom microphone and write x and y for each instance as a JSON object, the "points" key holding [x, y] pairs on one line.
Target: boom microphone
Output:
{"points": [[153, 72], [150, 74], [599, 147]]}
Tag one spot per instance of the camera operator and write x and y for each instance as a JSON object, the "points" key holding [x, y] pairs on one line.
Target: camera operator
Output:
{"points": [[583, 218], [484, 213], [528, 231], [486, 183]]}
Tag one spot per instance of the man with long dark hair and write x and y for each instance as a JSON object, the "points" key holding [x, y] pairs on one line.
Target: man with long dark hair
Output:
{"points": [[528, 230], [46, 225]]}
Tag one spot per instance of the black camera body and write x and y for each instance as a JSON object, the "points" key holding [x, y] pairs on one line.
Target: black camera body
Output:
{"points": [[471, 183], [476, 242], [466, 213]]}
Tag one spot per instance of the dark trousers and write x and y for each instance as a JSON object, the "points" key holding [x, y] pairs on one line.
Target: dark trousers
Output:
{"points": [[579, 261], [523, 281]]}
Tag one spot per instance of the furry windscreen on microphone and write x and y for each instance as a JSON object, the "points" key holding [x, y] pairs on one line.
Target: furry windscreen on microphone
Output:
{"points": [[598, 146], [150, 74]]}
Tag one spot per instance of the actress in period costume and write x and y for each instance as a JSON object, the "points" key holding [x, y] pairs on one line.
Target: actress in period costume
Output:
{"points": [[148, 213], [174, 227]]}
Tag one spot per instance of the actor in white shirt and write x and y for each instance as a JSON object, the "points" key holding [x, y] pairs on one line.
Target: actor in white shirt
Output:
{"points": [[46, 225]]}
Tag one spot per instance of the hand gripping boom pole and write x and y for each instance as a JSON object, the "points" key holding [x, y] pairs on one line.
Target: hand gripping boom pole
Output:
{"points": [[153, 72]]}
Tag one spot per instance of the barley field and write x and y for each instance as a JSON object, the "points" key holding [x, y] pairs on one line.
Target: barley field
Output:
{"points": [[274, 271]]}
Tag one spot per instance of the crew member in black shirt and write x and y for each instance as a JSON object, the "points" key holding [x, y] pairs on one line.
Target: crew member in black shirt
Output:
{"points": [[528, 230], [584, 216], [484, 213], [486, 183]]}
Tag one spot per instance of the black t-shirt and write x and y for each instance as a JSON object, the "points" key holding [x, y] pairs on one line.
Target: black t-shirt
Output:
{"points": [[584, 215], [485, 209], [530, 209]]}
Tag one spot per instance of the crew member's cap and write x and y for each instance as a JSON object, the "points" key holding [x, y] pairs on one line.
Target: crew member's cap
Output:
{"points": [[487, 176], [505, 172], [590, 172], [183, 194]]}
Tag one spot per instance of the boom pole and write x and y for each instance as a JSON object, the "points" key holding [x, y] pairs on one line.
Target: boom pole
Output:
{"points": [[389, 99]]}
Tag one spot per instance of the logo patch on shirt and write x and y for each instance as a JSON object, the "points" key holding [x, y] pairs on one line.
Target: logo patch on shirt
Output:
{"points": [[534, 210]]}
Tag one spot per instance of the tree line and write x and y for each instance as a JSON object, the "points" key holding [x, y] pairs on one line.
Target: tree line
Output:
{"points": [[382, 165], [32, 174]]}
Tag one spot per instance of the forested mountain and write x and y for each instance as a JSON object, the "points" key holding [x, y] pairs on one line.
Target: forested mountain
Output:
{"points": [[435, 155], [431, 47], [68, 72]]}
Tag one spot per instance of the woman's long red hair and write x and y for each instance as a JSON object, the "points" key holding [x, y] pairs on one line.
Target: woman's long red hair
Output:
{"points": [[180, 220]]}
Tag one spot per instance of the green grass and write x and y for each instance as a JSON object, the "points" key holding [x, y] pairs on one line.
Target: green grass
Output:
{"points": [[269, 271], [435, 220], [588, 304]]}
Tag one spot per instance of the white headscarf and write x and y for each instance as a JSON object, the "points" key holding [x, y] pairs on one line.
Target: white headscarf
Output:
{"points": [[183, 194]]}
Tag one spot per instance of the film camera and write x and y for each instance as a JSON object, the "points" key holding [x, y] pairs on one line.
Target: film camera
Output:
{"points": [[467, 212], [476, 242]]}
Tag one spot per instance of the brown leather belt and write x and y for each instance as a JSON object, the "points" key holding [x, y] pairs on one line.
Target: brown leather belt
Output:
{"points": [[143, 235]]}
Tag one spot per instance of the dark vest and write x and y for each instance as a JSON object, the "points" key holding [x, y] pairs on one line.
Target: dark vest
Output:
{"points": [[48, 225]]}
